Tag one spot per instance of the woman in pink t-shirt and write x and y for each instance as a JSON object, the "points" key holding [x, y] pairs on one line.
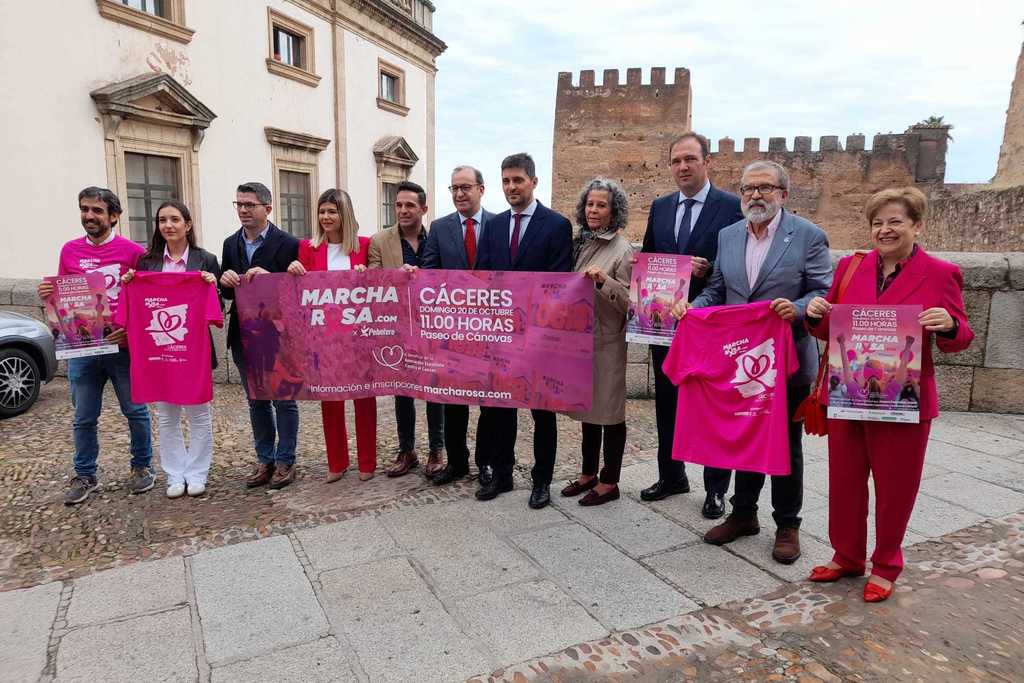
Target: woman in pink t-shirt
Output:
{"points": [[337, 246], [173, 249], [897, 271]]}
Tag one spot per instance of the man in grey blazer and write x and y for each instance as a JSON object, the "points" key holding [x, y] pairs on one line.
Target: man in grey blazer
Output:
{"points": [[452, 245], [780, 257]]}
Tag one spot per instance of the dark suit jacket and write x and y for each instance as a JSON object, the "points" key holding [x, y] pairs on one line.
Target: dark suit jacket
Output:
{"points": [[276, 253], [198, 260], [720, 210], [546, 246], [446, 246]]}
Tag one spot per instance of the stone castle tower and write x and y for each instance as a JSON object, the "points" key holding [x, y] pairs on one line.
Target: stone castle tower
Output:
{"points": [[1010, 170]]}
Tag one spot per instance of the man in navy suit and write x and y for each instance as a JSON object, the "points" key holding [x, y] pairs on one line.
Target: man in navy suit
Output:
{"points": [[260, 247], [686, 222], [453, 244], [529, 237]]}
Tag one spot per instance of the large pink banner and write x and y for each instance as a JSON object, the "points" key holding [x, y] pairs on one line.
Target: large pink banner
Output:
{"points": [[506, 339]]}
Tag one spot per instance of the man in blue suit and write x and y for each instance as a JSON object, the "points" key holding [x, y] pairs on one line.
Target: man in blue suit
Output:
{"points": [[529, 237], [453, 244], [686, 222]]}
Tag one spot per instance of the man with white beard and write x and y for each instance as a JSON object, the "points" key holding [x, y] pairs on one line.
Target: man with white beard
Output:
{"points": [[775, 256]]}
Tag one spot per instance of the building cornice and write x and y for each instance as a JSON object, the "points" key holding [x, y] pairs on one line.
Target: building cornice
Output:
{"points": [[287, 138]]}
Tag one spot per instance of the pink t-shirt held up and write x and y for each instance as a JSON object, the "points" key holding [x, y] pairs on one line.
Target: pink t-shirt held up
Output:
{"points": [[167, 316], [113, 258], [731, 364]]}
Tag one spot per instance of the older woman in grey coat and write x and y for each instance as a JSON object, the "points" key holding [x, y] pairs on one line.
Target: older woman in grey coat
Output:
{"points": [[604, 256]]}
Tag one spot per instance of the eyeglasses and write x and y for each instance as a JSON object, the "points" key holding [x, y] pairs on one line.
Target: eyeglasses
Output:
{"points": [[765, 189], [455, 189], [248, 206]]}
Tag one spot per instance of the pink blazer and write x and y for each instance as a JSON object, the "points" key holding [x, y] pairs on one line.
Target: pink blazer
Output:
{"points": [[315, 258], [924, 280]]}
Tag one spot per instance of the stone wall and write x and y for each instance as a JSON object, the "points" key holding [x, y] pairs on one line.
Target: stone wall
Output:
{"points": [[990, 219], [988, 376], [1010, 169], [620, 131]]}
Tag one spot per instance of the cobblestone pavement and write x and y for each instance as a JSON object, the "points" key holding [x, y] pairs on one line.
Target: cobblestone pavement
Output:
{"points": [[396, 580]]}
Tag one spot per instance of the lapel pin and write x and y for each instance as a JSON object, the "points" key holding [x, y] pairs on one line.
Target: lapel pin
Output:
{"points": [[786, 241]]}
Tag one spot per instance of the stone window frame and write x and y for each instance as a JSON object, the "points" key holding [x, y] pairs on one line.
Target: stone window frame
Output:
{"points": [[298, 153], [153, 114], [398, 73], [172, 27], [395, 159], [306, 74]]}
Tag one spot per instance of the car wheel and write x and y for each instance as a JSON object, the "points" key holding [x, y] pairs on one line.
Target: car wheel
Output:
{"points": [[20, 380]]}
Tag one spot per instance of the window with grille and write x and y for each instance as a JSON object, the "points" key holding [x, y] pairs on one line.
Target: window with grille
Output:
{"points": [[152, 180], [387, 208], [293, 203]]}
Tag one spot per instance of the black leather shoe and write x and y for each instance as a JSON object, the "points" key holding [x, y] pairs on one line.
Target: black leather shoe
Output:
{"points": [[447, 476], [714, 506], [486, 475], [662, 489], [493, 489], [540, 497]]}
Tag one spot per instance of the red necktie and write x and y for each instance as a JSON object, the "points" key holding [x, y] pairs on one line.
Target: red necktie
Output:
{"points": [[470, 240], [513, 246]]}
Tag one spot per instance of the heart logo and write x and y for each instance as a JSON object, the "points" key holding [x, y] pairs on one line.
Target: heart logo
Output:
{"points": [[389, 356], [109, 281], [168, 322], [756, 366]]}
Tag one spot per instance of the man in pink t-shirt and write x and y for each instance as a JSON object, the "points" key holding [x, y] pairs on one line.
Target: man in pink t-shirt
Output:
{"points": [[781, 258], [102, 250]]}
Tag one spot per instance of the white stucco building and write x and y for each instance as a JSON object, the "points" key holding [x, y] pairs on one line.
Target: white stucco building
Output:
{"points": [[189, 98]]}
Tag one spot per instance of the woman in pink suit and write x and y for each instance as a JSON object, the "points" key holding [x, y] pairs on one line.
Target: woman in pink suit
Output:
{"points": [[337, 246], [896, 271]]}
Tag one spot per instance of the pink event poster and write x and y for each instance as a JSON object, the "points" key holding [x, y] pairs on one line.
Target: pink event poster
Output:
{"points": [[659, 281], [79, 315], [874, 363], [503, 339]]}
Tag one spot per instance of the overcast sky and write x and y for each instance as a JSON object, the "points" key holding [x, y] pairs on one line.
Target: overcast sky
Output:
{"points": [[771, 68]]}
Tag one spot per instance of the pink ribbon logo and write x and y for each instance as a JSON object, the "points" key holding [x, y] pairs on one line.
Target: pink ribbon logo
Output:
{"points": [[389, 356]]}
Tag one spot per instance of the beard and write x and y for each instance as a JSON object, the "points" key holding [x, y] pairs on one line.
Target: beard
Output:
{"points": [[759, 210]]}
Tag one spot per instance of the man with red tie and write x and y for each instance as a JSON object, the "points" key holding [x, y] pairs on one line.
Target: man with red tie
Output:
{"points": [[452, 244], [529, 237]]}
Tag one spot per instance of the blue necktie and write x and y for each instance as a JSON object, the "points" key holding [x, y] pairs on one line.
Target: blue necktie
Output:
{"points": [[684, 226]]}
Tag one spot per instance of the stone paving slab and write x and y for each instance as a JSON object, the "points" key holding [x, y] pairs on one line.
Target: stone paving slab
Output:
{"points": [[354, 541], [320, 662], [986, 499], [986, 442], [610, 585], [999, 470], [399, 630], [933, 517], [509, 512], [26, 616], [520, 621], [634, 527], [699, 570], [156, 647], [460, 555], [135, 589], [254, 597], [817, 525]]}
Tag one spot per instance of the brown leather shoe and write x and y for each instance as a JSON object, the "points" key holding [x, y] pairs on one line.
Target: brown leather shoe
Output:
{"points": [[787, 545], [731, 529], [435, 463], [405, 461], [260, 476], [283, 475]]}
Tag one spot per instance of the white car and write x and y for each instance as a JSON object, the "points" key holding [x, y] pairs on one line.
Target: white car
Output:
{"points": [[27, 361]]}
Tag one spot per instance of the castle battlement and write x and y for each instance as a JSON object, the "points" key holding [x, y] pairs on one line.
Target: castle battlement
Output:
{"points": [[803, 144], [610, 79]]}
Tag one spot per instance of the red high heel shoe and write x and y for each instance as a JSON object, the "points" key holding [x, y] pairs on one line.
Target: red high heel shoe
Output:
{"points": [[826, 574], [875, 593]]}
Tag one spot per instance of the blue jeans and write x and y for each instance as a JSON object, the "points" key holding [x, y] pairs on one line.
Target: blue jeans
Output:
{"points": [[280, 424], [88, 376]]}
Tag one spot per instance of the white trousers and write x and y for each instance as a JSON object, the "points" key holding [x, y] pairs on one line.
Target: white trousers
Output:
{"points": [[179, 463]]}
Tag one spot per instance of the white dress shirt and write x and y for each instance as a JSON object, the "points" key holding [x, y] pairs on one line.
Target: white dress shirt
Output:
{"points": [[699, 199], [523, 222], [478, 224]]}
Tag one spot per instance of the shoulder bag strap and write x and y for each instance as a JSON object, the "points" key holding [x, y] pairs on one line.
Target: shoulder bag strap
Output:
{"points": [[851, 269]]}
